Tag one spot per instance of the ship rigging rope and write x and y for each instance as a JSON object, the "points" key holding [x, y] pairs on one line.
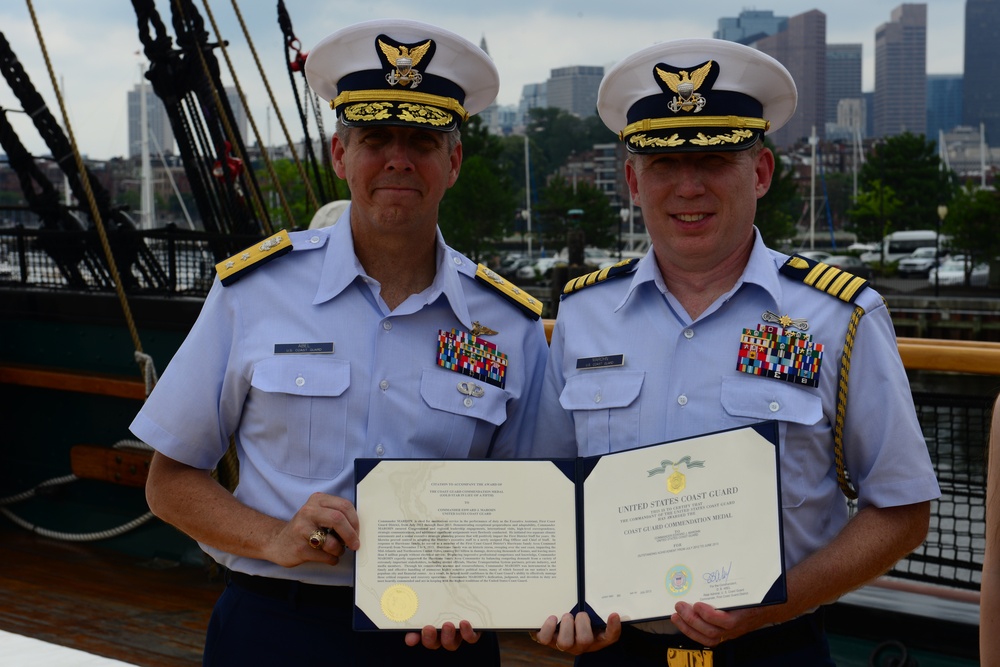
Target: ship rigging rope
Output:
{"points": [[295, 63], [60, 481], [281, 119], [91, 201], [254, 194], [253, 124]]}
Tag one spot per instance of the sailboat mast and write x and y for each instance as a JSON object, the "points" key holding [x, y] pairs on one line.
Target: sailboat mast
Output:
{"points": [[146, 175]]}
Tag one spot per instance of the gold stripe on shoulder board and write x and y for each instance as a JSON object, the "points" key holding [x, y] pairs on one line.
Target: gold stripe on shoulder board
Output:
{"points": [[622, 268], [835, 282], [529, 304], [232, 269]]}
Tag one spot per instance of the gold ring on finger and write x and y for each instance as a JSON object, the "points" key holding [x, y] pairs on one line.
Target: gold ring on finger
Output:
{"points": [[317, 538]]}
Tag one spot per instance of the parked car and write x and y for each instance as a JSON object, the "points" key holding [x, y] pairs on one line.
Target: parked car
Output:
{"points": [[817, 255], [851, 264], [862, 247], [511, 266], [918, 263], [541, 269], [952, 272]]}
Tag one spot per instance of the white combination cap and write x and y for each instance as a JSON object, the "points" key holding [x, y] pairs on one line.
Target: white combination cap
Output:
{"points": [[695, 95], [400, 72]]}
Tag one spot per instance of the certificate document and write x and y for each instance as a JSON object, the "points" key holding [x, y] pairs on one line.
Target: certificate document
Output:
{"points": [[505, 544]]}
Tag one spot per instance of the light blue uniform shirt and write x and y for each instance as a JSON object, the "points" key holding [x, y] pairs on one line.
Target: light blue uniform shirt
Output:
{"points": [[680, 379], [301, 419]]}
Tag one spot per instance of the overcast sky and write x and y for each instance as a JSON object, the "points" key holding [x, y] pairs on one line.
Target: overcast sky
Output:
{"points": [[93, 45]]}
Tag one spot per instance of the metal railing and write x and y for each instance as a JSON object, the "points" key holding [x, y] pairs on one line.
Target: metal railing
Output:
{"points": [[953, 382]]}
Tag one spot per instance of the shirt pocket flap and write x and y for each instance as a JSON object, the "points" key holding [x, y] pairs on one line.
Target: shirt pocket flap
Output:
{"points": [[302, 376], [465, 396], [601, 391], [762, 399]]}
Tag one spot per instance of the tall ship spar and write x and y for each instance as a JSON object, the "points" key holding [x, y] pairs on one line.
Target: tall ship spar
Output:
{"points": [[91, 305]]}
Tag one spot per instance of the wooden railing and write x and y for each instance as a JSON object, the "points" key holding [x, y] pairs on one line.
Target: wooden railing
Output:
{"points": [[927, 354], [931, 354]]}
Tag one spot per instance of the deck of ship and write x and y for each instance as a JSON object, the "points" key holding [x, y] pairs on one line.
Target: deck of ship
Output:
{"points": [[144, 613], [154, 613]]}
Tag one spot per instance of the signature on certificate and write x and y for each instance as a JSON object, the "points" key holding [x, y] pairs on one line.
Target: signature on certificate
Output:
{"points": [[719, 575]]}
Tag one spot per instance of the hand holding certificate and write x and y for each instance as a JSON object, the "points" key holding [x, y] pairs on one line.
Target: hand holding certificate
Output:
{"points": [[505, 544]]}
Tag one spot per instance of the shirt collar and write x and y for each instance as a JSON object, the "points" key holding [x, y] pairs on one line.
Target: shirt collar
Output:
{"points": [[341, 268], [760, 270]]}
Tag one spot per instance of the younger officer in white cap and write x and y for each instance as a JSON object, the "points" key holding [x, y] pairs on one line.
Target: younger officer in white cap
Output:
{"points": [[694, 332], [319, 347]]}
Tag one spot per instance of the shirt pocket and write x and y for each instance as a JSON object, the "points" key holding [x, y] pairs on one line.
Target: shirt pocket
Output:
{"points": [[465, 414], [303, 396], [605, 410], [798, 412]]}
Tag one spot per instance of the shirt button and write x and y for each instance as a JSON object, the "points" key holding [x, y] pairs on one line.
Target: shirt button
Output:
{"points": [[597, 397], [387, 325], [468, 402], [457, 260], [383, 385], [682, 400], [300, 381], [689, 333], [380, 450], [314, 239], [774, 406]]}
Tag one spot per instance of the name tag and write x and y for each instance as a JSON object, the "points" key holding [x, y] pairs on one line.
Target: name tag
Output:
{"points": [[303, 348], [606, 361]]}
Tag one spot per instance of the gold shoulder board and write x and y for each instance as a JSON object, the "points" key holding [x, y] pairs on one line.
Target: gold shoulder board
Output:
{"points": [[622, 268], [531, 306], [841, 284], [240, 264]]}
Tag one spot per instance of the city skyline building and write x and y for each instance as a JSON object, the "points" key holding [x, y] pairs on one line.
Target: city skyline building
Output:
{"points": [[944, 104], [901, 72], [980, 95], [574, 89], [801, 48], [843, 76], [239, 113], [161, 135], [533, 95], [750, 26]]}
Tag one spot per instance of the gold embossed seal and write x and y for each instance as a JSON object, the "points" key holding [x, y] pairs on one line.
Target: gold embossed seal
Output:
{"points": [[399, 603]]}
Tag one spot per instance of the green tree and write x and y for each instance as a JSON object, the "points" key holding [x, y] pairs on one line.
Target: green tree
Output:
{"points": [[598, 222], [777, 210], [908, 164], [478, 210], [972, 220], [289, 183], [555, 134], [876, 211]]}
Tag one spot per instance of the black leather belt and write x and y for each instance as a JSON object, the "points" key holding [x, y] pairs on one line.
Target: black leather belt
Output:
{"points": [[774, 640], [295, 592]]}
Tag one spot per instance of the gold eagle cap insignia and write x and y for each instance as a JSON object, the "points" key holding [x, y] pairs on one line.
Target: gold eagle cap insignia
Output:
{"points": [[393, 53], [405, 60], [686, 86]]}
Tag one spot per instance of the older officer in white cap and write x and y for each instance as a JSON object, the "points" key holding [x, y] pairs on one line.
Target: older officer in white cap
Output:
{"points": [[319, 347], [675, 327]]}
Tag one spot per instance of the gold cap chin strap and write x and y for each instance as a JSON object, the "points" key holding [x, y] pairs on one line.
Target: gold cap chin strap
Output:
{"points": [[735, 122], [449, 103]]}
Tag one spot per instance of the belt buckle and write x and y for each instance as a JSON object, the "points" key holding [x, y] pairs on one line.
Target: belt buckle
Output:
{"points": [[685, 657]]}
